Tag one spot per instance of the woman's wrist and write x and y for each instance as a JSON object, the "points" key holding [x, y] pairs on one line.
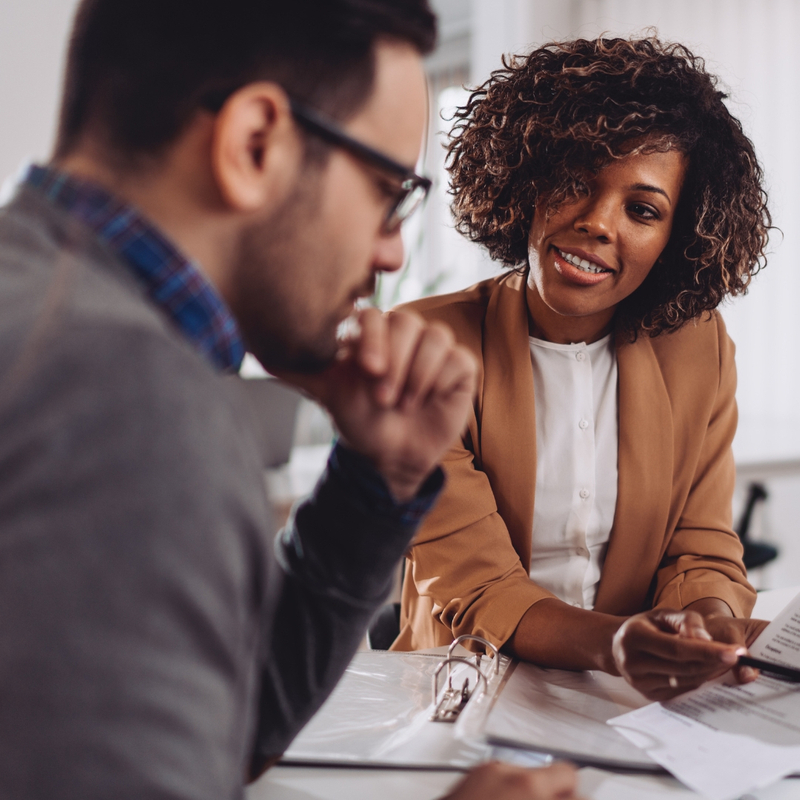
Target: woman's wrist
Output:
{"points": [[554, 634], [605, 656]]}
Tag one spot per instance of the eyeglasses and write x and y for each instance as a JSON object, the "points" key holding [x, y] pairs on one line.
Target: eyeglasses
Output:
{"points": [[413, 188]]}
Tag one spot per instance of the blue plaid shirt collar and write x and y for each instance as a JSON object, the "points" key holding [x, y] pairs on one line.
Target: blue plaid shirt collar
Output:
{"points": [[176, 285]]}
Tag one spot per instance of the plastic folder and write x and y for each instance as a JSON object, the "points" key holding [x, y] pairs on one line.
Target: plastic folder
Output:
{"points": [[380, 716]]}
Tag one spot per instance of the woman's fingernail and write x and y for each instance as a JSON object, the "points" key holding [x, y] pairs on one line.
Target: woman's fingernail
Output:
{"points": [[702, 633], [741, 651], [748, 674], [729, 657]]}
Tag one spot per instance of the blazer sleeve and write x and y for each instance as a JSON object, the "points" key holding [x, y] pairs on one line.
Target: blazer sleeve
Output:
{"points": [[466, 571], [703, 557]]}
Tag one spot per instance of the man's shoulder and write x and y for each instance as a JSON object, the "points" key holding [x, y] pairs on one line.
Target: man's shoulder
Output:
{"points": [[51, 262], [83, 347]]}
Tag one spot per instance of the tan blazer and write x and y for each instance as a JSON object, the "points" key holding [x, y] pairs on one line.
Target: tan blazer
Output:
{"points": [[671, 542]]}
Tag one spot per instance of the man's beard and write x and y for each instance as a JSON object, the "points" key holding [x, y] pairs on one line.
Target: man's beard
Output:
{"points": [[279, 354], [268, 296]]}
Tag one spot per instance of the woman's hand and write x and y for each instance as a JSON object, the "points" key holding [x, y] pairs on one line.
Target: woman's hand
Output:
{"points": [[663, 653], [505, 782], [742, 632]]}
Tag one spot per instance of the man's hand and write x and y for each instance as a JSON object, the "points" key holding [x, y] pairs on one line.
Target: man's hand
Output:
{"points": [[399, 394], [664, 652], [505, 782]]}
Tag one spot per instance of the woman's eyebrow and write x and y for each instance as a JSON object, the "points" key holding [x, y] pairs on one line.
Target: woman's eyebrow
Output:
{"points": [[646, 187]]}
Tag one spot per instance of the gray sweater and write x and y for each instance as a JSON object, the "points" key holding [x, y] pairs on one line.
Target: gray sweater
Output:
{"points": [[154, 641]]}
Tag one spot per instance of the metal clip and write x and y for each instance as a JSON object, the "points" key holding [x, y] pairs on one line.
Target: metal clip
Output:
{"points": [[472, 637], [453, 700]]}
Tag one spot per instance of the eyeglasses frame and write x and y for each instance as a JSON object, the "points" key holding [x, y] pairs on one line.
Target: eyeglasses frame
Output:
{"points": [[328, 130]]}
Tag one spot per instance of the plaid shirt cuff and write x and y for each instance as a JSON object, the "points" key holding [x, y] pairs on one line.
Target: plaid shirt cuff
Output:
{"points": [[371, 489]]}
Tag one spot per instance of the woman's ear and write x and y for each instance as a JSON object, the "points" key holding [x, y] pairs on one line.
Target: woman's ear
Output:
{"points": [[256, 149]]}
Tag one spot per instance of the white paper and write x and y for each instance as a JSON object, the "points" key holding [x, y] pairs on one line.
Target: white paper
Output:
{"points": [[601, 785], [725, 739], [564, 713]]}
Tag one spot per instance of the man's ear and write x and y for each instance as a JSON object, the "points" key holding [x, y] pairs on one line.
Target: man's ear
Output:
{"points": [[256, 150]]}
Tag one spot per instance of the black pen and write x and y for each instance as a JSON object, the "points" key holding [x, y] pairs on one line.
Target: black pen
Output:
{"points": [[786, 673]]}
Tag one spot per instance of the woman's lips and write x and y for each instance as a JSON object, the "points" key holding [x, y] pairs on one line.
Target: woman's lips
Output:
{"points": [[575, 275]]}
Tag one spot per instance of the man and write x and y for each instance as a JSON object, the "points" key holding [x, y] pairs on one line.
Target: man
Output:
{"points": [[216, 185]]}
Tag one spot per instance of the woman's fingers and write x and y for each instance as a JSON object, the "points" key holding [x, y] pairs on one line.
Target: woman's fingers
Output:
{"points": [[741, 632], [663, 652]]}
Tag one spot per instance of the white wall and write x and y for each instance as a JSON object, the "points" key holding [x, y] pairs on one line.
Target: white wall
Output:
{"points": [[33, 37]]}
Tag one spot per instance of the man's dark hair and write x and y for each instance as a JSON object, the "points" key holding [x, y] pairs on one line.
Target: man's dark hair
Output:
{"points": [[138, 70]]}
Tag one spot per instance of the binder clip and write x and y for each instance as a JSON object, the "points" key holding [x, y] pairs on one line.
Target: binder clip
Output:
{"points": [[453, 699]]}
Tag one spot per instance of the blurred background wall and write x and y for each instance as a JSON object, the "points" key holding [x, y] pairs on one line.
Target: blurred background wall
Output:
{"points": [[33, 39], [750, 44]]}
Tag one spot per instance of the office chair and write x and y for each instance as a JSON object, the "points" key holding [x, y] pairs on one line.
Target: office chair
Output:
{"points": [[756, 554]]}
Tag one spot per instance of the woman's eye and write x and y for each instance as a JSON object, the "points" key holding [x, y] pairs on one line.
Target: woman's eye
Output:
{"points": [[644, 211]]}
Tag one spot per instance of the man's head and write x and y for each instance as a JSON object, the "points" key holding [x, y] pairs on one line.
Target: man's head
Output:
{"points": [[194, 101]]}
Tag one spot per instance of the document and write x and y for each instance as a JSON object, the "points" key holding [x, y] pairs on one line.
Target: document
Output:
{"points": [[564, 714], [725, 739]]}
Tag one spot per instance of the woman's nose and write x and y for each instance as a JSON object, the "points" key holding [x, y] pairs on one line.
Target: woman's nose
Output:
{"points": [[596, 219]]}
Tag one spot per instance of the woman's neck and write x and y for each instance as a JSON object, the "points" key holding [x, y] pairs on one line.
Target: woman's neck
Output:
{"points": [[547, 324]]}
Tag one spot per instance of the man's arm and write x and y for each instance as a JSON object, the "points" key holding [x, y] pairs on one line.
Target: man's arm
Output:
{"points": [[336, 559], [399, 394]]}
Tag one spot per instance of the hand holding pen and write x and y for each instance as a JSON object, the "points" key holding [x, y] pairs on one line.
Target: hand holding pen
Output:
{"points": [[768, 668]]}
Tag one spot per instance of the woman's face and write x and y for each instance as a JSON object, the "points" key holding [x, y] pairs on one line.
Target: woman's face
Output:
{"points": [[594, 251]]}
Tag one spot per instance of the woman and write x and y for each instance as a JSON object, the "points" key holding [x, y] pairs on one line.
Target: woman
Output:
{"points": [[595, 479]]}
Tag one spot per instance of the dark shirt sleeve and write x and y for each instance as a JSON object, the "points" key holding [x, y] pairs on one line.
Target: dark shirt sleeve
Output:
{"points": [[337, 557]]}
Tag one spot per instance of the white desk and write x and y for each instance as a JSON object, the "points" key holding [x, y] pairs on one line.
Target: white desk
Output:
{"points": [[303, 783], [306, 783]]}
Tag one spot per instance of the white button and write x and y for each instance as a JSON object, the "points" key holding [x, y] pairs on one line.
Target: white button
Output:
{"points": [[580, 356], [584, 493], [583, 424]]}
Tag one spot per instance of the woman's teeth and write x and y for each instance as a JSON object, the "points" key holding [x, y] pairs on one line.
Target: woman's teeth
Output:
{"points": [[581, 263]]}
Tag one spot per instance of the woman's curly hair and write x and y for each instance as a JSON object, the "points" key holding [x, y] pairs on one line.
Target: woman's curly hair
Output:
{"points": [[541, 127]]}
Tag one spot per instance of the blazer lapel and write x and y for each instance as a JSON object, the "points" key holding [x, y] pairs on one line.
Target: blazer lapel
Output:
{"points": [[644, 483], [508, 425]]}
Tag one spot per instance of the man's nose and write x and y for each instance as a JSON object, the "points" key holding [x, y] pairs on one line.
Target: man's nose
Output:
{"points": [[389, 252]]}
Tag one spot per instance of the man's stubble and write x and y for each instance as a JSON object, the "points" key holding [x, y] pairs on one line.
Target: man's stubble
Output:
{"points": [[275, 273]]}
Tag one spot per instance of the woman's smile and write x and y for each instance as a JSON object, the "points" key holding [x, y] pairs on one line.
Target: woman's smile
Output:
{"points": [[582, 271]]}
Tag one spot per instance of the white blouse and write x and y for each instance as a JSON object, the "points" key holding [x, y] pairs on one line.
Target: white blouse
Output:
{"points": [[576, 465]]}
